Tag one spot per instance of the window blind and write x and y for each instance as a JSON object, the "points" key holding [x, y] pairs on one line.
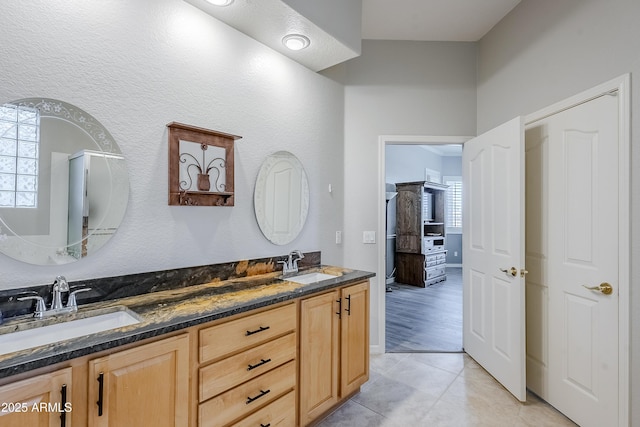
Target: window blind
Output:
{"points": [[454, 203]]}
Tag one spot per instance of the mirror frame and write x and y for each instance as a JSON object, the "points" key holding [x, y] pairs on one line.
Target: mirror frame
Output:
{"points": [[103, 143]]}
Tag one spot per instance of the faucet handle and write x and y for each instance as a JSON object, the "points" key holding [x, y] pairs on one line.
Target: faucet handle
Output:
{"points": [[294, 262], [40, 305], [60, 284], [285, 266], [72, 302]]}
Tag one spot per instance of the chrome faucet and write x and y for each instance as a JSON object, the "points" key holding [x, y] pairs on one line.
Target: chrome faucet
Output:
{"points": [[60, 286], [290, 266]]}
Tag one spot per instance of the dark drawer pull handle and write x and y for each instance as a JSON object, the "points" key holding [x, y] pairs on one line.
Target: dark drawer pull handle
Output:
{"points": [[262, 393], [100, 393], [63, 410], [339, 313], [265, 425], [262, 328], [348, 309], [262, 362]]}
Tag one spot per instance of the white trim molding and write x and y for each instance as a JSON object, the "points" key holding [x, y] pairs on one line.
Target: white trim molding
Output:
{"points": [[383, 141]]}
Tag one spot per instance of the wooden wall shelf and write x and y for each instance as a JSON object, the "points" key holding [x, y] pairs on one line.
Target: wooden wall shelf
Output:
{"points": [[201, 166]]}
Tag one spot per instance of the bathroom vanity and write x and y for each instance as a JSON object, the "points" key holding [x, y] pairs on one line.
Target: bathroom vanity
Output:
{"points": [[252, 350]]}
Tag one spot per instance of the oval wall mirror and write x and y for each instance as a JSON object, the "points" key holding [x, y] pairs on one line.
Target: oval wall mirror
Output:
{"points": [[281, 197], [64, 185]]}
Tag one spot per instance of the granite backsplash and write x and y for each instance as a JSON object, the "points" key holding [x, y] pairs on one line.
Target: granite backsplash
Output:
{"points": [[108, 288]]}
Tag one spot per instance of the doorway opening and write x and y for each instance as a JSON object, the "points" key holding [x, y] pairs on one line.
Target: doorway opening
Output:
{"points": [[423, 292]]}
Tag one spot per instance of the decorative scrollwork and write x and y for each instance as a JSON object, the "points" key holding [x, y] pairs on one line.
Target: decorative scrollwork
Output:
{"points": [[85, 121], [200, 166], [194, 165]]}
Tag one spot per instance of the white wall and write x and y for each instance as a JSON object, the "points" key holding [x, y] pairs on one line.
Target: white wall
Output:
{"points": [[137, 66], [407, 163], [545, 51], [396, 88]]}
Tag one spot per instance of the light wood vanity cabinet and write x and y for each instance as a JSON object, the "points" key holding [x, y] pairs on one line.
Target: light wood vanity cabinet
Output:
{"points": [[282, 366], [41, 401], [334, 348], [146, 385], [247, 373], [354, 340]]}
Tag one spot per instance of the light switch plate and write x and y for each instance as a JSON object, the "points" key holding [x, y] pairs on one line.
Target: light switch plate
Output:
{"points": [[368, 237], [338, 237]]}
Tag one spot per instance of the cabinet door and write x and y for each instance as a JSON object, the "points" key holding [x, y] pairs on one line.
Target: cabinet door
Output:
{"points": [[319, 355], [354, 359], [42, 401], [409, 219], [143, 386]]}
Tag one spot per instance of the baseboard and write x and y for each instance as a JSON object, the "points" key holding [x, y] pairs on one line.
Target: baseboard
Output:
{"points": [[454, 265], [376, 349]]}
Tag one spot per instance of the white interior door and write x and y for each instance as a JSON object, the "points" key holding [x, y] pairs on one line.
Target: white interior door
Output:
{"points": [[493, 253], [583, 252]]}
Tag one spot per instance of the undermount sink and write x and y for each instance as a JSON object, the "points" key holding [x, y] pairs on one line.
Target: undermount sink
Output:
{"points": [[37, 336], [308, 278]]}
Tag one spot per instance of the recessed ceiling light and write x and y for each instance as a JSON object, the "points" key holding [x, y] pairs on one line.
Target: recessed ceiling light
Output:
{"points": [[296, 41], [220, 2]]}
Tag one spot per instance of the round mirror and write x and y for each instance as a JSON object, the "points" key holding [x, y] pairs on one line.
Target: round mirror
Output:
{"points": [[281, 197], [64, 185]]}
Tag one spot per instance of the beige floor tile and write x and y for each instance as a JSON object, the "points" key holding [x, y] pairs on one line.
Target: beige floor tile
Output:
{"points": [[438, 390], [396, 400], [538, 413], [428, 379], [352, 414], [384, 362], [450, 362]]}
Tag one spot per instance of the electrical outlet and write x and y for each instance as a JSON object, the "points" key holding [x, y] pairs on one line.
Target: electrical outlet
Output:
{"points": [[455, 253], [338, 237]]}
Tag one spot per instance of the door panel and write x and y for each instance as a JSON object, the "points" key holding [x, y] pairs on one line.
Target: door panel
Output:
{"points": [[583, 251], [502, 330], [493, 302], [579, 369], [537, 256], [580, 208]]}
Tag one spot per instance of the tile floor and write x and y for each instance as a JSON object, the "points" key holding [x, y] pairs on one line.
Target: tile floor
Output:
{"points": [[438, 389]]}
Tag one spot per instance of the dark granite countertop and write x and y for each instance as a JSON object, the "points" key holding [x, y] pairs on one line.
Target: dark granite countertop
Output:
{"points": [[169, 310]]}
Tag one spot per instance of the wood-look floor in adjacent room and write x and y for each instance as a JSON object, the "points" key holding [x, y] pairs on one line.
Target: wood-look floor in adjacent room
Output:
{"points": [[425, 319]]}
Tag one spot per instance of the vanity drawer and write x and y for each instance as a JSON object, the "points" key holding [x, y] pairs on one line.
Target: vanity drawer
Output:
{"points": [[227, 373], [246, 398], [220, 340], [280, 413]]}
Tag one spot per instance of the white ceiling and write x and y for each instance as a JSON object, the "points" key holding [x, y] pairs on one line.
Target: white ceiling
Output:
{"points": [[269, 20], [429, 20], [432, 20]]}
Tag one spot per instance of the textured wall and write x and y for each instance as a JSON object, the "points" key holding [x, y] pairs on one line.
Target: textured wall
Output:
{"points": [[136, 66]]}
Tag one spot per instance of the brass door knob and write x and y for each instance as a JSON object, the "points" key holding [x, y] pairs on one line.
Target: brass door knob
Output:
{"points": [[603, 287], [512, 271]]}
